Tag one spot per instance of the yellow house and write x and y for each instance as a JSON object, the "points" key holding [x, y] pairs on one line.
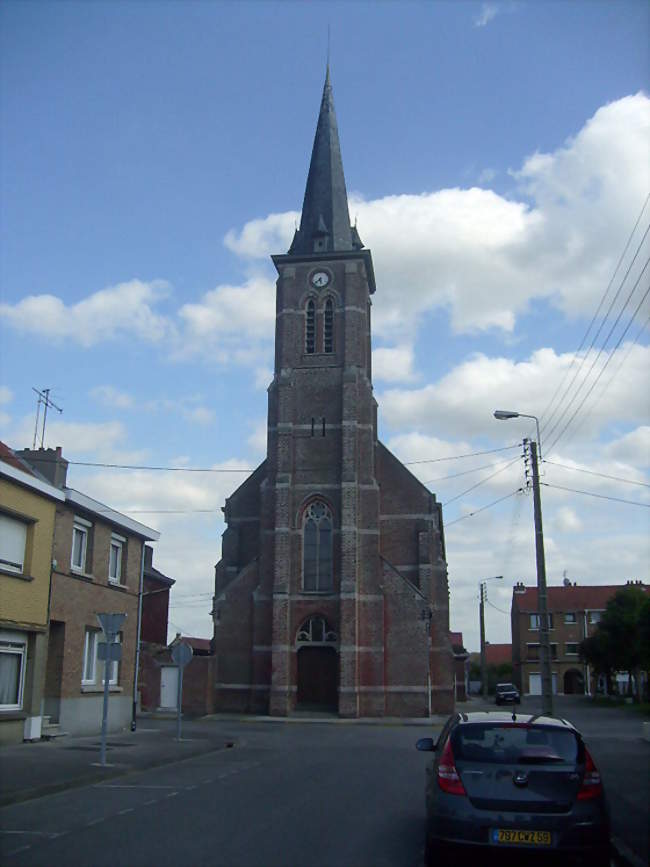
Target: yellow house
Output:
{"points": [[27, 512]]}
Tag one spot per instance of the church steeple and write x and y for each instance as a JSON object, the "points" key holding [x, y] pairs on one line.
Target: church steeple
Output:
{"points": [[325, 222]]}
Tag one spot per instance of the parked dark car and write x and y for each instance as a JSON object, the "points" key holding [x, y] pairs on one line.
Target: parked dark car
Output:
{"points": [[506, 693], [504, 787]]}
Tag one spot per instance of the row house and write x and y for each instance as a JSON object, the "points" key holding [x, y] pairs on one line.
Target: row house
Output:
{"points": [[27, 516], [95, 565], [574, 614]]}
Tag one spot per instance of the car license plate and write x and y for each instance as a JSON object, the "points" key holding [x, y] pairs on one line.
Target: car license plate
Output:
{"points": [[518, 837]]}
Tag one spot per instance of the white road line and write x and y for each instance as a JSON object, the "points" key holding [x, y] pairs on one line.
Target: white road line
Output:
{"points": [[128, 810], [95, 822], [152, 801], [171, 795]]}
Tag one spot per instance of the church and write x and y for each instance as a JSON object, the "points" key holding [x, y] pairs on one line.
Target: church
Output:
{"points": [[331, 593]]}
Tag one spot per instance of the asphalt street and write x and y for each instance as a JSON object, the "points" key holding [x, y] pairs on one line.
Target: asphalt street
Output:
{"points": [[319, 795]]}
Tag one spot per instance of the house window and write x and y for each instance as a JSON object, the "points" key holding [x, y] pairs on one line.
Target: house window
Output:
{"points": [[570, 617], [89, 670], [535, 621], [328, 326], [317, 548], [594, 616], [12, 670], [532, 651], [571, 649], [115, 559], [113, 672], [310, 327], [13, 540], [79, 557]]}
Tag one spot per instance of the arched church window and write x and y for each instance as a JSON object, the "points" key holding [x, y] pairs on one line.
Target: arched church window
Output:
{"points": [[328, 326], [316, 630], [310, 327], [317, 571]]}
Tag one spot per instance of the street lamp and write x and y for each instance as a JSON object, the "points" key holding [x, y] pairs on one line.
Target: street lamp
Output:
{"points": [[542, 603], [481, 611], [503, 414]]}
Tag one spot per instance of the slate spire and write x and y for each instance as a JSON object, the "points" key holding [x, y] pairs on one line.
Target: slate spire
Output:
{"points": [[325, 222]]}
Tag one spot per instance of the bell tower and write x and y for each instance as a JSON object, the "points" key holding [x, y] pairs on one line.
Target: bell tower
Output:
{"points": [[321, 423]]}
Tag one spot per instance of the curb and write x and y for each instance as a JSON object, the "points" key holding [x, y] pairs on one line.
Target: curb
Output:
{"points": [[624, 855], [434, 721], [93, 777]]}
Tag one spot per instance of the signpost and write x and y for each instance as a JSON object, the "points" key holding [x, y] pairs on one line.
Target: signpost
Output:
{"points": [[181, 655], [109, 651]]}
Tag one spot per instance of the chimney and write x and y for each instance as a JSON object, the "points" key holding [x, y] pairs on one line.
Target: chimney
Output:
{"points": [[49, 463]]}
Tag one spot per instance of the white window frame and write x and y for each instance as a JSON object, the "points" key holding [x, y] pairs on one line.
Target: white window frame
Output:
{"points": [[114, 678], [81, 526], [535, 620], [14, 644], [595, 617], [9, 547], [570, 617], [90, 655], [117, 543], [569, 644]]}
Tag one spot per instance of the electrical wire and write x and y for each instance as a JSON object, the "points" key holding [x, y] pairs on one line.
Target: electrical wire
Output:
{"points": [[594, 473], [599, 496], [609, 358], [483, 508], [500, 610], [458, 475], [482, 482], [595, 316], [458, 457]]}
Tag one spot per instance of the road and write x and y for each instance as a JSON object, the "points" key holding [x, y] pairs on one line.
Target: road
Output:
{"points": [[321, 795]]}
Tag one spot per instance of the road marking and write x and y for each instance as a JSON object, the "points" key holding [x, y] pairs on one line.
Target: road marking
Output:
{"points": [[171, 795], [152, 801], [189, 788], [20, 849], [94, 822], [51, 834], [136, 786], [128, 810]]}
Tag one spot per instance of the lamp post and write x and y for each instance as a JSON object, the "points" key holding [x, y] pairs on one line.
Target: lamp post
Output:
{"points": [[481, 613], [542, 602]]}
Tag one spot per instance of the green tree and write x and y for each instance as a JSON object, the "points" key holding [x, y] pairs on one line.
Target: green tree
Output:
{"points": [[618, 643]]}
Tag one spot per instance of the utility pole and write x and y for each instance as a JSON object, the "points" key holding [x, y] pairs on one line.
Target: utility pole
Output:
{"points": [[481, 614], [481, 611], [542, 600]]}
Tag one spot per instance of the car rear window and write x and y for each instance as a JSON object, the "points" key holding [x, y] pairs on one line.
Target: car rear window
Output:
{"points": [[507, 743]]}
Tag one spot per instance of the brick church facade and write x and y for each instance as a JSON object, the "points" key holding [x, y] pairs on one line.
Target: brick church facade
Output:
{"points": [[332, 589]]}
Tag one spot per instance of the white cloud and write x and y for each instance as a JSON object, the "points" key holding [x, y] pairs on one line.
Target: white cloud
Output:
{"points": [[462, 402], [199, 415], [257, 440], [93, 441], [485, 257], [230, 323], [632, 448], [393, 364], [112, 397], [487, 13], [567, 520], [263, 377], [123, 310], [6, 395]]}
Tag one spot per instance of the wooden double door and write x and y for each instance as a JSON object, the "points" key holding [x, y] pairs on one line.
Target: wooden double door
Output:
{"points": [[318, 678]]}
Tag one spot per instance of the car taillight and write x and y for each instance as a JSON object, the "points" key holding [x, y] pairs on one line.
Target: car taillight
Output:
{"points": [[448, 778], [591, 786]]}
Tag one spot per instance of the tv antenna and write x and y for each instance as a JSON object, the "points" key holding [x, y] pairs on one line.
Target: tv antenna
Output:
{"points": [[44, 400]]}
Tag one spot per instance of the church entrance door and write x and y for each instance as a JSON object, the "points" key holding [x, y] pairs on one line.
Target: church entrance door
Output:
{"points": [[317, 678]]}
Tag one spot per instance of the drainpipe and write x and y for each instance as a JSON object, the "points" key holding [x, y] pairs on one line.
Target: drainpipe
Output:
{"points": [[137, 645], [587, 673]]}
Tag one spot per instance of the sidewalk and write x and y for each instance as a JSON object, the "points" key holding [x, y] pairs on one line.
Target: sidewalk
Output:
{"points": [[31, 770]]}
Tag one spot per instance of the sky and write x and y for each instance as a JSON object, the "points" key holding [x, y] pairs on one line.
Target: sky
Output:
{"points": [[153, 155]]}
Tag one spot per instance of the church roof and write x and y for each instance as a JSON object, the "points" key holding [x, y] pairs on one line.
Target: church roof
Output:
{"points": [[325, 221]]}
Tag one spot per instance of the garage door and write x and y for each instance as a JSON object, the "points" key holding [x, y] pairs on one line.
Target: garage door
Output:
{"points": [[535, 684]]}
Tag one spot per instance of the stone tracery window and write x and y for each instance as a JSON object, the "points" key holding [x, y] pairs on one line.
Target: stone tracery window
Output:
{"points": [[317, 572], [328, 326], [310, 327], [316, 630]]}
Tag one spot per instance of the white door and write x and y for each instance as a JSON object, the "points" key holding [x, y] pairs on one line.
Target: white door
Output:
{"points": [[168, 686], [534, 684]]}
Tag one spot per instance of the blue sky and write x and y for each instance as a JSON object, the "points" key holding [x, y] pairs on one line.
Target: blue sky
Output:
{"points": [[154, 154]]}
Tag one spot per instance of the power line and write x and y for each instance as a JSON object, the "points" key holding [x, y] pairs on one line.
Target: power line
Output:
{"points": [[594, 473], [500, 610], [599, 496], [611, 355], [602, 348], [458, 457], [458, 475], [483, 508], [482, 482], [595, 316]]}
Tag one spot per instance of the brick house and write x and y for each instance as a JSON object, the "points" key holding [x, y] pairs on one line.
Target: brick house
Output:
{"points": [[332, 588], [575, 612], [27, 511], [153, 635], [97, 563]]}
